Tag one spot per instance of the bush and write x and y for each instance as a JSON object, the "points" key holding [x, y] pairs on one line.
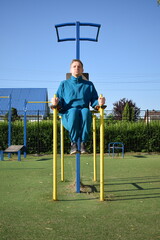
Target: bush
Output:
{"points": [[136, 136]]}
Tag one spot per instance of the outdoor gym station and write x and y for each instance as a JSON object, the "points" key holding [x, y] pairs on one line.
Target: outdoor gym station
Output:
{"points": [[17, 149]]}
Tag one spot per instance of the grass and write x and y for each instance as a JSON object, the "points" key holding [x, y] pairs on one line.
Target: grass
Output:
{"points": [[131, 209]]}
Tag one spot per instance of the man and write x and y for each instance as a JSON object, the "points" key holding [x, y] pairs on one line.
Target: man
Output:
{"points": [[74, 96]]}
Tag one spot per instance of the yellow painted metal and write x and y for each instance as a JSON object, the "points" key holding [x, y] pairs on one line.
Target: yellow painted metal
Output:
{"points": [[62, 152], [94, 148], [4, 96], [38, 102], [55, 153], [101, 110]]}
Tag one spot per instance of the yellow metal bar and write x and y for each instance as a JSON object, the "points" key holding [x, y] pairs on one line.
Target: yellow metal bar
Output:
{"points": [[38, 102], [55, 153], [62, 152], [101, 153], [4, 96], [94, 149]]}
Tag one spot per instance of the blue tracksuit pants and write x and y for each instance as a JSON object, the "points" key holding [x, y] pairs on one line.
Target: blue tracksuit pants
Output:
{"points": [[78, 122]]}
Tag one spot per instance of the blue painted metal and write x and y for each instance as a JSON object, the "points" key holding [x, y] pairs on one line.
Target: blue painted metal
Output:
{"points": [[78, 167], [25, 129], [9, 123], [1, 155], [77, 41], [115, 145], [77, 38]]}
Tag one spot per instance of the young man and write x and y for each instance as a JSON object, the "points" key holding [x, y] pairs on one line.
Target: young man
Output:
{"points": [[74, 96]]}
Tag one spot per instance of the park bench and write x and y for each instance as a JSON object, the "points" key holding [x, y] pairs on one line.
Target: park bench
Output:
{"points": [[12, 149]]}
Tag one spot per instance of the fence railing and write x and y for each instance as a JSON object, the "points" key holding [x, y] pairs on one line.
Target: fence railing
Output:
{"points": [[140, 136]]}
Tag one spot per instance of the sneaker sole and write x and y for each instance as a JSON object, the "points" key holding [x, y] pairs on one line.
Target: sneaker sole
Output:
{"points": [[71, 153], [84, 152]]}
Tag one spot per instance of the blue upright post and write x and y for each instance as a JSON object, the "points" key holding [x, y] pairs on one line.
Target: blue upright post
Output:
{"points": [[9, 124], [78, 142], [25, 129], [77, 41], [78, 167]]}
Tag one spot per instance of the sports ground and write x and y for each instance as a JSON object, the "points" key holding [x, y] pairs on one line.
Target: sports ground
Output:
{"points": [[131, 209]]}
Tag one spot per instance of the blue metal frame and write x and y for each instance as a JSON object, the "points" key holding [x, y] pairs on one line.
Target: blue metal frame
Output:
{"points": [[115, 145], [77, 38], [25, 129]]}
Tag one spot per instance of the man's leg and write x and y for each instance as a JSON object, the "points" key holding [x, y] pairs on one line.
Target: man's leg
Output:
{"points": [[86, 124], [85, 128], [71, 121]]}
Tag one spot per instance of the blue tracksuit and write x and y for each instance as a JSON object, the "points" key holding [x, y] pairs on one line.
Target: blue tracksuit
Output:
{"points": [[76, 95]]}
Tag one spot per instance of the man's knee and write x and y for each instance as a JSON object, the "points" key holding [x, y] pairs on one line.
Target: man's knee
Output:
{"points": [[86, 114], [74, 114]]}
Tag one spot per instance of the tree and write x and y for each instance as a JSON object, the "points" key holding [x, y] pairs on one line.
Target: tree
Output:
{"points": [[158, 1], [128, 113], [119, 108], [14, 115]]}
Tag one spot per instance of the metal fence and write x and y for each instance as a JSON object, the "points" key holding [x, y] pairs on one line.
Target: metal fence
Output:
{"points": [[38, 145]]}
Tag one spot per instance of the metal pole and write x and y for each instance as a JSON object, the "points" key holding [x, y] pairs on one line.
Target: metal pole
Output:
{"points": [[9, 121], [38, 147], [9, 124], [101, 153], [77, 41], [62, 152], [78, 142], [78, 167], [55, 153], [25, 129], [94, 149]]}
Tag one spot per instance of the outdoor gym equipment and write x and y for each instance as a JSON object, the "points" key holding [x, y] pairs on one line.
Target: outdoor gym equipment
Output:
{"points": [[77, 38], [55, 113], [115, 145], [101, 111], [9, 117]]}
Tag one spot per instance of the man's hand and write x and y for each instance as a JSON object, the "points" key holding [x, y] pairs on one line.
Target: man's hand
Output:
{"points": [[101, 101], [55, 101]]}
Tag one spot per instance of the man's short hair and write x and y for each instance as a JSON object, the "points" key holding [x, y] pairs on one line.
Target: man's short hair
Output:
{"points": [[77, 60]]}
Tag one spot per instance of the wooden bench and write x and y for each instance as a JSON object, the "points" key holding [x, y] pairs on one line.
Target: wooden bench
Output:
{"points": [[12, 149]]}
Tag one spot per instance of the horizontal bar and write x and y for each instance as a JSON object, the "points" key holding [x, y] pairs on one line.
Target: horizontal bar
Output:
{"points": [[4, 96], [38, 102], [66, 39], [90, 24], [80, 24], [64, 24], [74, 39]]}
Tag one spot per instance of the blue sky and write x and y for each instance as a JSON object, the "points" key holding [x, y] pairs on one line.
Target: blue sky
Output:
{"points": [[124, 63]]}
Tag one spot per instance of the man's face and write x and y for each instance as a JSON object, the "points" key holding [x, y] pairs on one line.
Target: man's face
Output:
{"points": [[76, 69]]}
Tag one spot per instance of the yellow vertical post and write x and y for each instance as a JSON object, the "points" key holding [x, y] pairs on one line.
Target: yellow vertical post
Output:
{"points": [[94, 149], [62, 152], [55, 153], [101, 153]]}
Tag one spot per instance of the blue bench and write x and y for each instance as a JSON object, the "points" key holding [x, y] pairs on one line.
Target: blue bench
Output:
{"points": [[115, 145], [12, 149]]}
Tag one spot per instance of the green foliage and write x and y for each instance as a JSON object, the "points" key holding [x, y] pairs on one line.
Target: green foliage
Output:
{"points": [[119, 107], [128, 113], [136, 136], [14, 115]]}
